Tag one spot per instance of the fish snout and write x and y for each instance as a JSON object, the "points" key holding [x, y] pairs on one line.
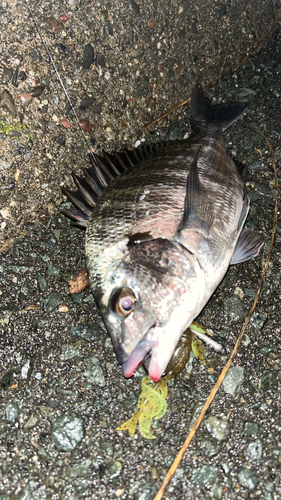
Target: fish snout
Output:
{"points": [[139, 354]]}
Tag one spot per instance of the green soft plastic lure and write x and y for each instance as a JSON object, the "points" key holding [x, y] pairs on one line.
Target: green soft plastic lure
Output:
{"points": [[152, 400], [151, 405]]}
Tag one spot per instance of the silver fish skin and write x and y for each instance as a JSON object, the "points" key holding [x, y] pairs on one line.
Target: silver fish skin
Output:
{"points": [[162, 235]]}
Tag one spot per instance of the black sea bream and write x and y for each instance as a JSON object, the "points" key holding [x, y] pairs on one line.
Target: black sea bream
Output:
{"points": [[162, 228]]}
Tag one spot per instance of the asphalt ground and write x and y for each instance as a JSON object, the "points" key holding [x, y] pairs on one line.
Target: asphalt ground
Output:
{"points": [[62, 390]]}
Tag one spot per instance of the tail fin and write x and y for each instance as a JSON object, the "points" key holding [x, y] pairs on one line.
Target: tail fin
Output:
{"points": [[205, 112]]}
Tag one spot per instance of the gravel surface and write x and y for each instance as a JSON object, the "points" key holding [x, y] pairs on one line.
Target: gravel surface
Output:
{"points": [[62, 391], [122, 63]]}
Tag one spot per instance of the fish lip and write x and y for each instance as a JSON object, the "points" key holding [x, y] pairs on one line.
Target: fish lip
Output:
{"points": [[139, 354]]}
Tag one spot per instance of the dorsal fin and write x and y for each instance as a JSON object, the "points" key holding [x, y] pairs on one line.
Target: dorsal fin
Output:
{"points": [[104, 169], [77, 198]]}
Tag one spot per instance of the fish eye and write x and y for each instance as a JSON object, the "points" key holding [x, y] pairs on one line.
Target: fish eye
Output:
{"points": [[123, 302]]}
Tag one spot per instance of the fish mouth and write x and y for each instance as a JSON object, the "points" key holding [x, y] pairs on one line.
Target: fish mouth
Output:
{"points": [[147, 345]]}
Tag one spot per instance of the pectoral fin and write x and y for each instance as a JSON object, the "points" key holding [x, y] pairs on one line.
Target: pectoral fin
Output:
{"points": [[248, 246], [197, 210]]}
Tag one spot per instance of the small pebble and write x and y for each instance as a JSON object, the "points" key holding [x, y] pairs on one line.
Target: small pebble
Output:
{"points": [[6, 213], [210, 447], [11, 411], [20, 197], [151, 23], [52, 402], [63, 309], [101, 60], [205, 475], [67, 432], [37, 91], [88, 56], [151, 102], [238, 291], [80, 469], [86, 125], [131, 400], [233, 379], [251, 428], [61, 140], [31, 422], [36, 54], [258, 320], [4, 165], [52, 301], [42, 125], [170, 73], [22, 76], [247, 478], [218, 427], [86, 331], [52, 270], [42, 215], [154, 473], [7, 75], [254, 450], [68, 352], [86, 103], [14, 133], [26, 369], [94, 373], [146, 492], [54, 23], [96, 109], [65, 123], [234, 309], [32, 307], [144, 116], [134, 6], [151, 54], [25, 98], [7, 101], [269, 380], [63, 18], [3, 200], [15, 77]]}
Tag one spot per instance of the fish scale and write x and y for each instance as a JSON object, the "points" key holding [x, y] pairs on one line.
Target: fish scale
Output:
{"points": [[165, 223]]}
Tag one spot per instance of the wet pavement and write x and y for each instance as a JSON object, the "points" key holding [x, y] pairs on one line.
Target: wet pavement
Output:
{"points": [[62, 391]]}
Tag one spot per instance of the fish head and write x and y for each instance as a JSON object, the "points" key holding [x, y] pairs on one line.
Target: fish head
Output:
{"points": [[148, 295]]}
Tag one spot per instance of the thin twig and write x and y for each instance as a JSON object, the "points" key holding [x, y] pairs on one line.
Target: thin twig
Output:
{"points": [[223, 373]]}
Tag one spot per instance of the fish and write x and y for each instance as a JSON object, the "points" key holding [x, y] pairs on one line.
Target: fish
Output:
{"points": [[163, 224]]}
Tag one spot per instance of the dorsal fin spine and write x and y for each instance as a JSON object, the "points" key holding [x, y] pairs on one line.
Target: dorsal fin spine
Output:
{"points": [[98, 177]]}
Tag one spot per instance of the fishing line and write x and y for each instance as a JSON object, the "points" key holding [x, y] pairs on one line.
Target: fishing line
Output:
{"points": [[46, 47], [224, 371]]}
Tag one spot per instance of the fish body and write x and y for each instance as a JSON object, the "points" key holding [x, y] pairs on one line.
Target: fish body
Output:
{"points": [[162, 235]]}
